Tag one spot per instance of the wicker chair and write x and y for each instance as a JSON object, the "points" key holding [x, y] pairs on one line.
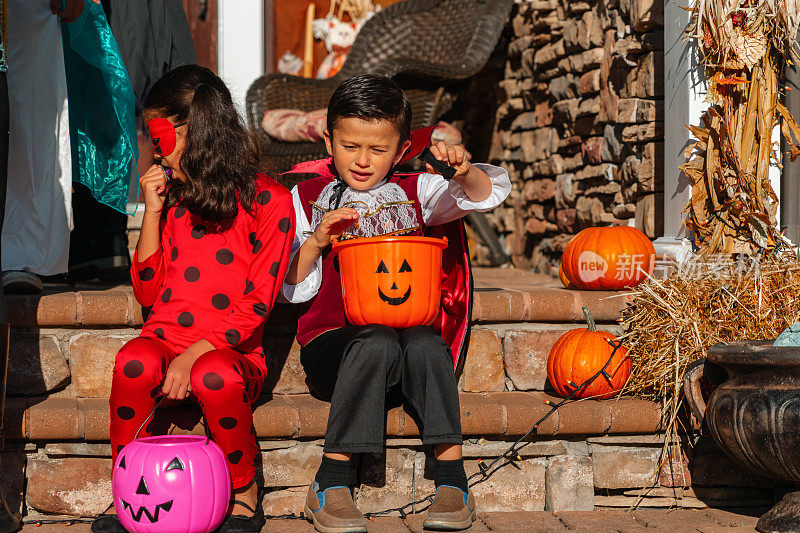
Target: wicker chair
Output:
{"points": [[422, 44]]}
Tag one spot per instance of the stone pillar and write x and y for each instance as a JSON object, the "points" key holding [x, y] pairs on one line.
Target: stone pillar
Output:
{"points": [[680, 87]]}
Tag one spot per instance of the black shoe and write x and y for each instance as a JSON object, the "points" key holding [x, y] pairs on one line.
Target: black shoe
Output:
{"points": [[235, 523], [107, 523]]}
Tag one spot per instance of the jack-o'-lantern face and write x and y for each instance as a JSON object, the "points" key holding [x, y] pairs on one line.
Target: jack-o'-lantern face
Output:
{"points": [[138, 512], [393, 295], [175, 483], [404, 271]]}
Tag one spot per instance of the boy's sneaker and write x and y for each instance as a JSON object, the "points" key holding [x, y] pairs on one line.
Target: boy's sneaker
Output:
{"points": [[333, 510], [452, 510]]}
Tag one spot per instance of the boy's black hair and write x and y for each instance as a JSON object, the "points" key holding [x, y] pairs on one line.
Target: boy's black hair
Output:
{"points": [[371, 97]]}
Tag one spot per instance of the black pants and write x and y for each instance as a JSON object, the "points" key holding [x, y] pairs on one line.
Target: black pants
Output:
{"points": [[357, 367]]}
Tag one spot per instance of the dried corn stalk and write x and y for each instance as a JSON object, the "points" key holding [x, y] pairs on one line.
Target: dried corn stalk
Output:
{"points": [[741, 42]]}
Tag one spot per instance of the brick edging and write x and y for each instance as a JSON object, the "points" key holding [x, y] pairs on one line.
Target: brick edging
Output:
{"points": [[302, 416], [118, 308]]}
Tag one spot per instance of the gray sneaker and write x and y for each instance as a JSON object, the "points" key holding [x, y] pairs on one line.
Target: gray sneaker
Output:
{"points": [[333, 510], [21, 282], [452, 510]]}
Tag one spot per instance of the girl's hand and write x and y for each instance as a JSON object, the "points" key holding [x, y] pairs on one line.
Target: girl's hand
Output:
{"points": [[455, 155], [154, 189], [333, 224], [176, 383]]}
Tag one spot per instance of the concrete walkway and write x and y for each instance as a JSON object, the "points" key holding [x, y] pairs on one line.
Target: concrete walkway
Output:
{"points": [[672, 521]]}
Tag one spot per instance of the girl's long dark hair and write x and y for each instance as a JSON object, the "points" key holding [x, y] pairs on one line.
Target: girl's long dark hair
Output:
{"points": [[221, 156]]}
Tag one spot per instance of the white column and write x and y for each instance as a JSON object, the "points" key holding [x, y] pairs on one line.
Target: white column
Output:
{"points": [[682, 105], [240, 45]]}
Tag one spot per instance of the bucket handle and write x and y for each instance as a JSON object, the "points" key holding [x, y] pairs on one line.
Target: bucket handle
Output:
{"points": [[158, 403], [149, 416]]}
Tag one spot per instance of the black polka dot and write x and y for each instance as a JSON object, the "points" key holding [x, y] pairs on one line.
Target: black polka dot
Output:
{"points": [[220, 301], [228, 422], [125, 413], [257, 246], [166, 295], [285, 225], [180, 211], [224, 257], [191, 274], [159, 333], [235, 457], [264, 197], [133, 369], [233, 337], [249, 287], [174, 254], [213, 381], [146, 274], [149, 427], [261, 309], [186, 319], [155, 391], [199, 231], [252, 238], [119, 448], [275, 268]]}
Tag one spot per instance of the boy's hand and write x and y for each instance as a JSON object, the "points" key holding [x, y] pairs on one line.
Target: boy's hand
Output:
{"points": [[154, 189], [333, 224], [176, 383], [454, 155]]}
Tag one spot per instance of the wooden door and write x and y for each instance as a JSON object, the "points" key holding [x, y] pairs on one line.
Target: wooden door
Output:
{"points": [[202, 18]]}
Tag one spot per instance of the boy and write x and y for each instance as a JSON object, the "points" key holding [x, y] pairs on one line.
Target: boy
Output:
{"points": [[354, 367]]}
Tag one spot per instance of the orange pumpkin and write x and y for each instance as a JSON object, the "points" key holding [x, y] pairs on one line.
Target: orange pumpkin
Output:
{"points": [[608, 258], [581, 353], [567, 284], [391, 280]]}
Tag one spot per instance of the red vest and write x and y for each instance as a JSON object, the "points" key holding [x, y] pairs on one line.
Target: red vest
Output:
{"points": [[326, 310]]}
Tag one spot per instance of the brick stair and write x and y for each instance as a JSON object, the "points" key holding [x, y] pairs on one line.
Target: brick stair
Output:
{"points": [[584, 456]]}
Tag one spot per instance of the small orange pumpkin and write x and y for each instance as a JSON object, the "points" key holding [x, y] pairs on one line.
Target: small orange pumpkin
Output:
{"points": [[579, 354], [608, 258], [391, 280]]}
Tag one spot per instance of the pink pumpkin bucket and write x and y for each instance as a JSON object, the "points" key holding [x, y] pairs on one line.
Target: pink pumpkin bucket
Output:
{"points": [[171, 484]]}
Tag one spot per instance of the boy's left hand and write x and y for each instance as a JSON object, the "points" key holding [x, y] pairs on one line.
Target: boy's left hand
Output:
{"points": [[454, 155]]}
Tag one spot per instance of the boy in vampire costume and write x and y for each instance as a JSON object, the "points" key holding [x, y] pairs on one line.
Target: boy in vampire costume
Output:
{"points": [[357, 193]]}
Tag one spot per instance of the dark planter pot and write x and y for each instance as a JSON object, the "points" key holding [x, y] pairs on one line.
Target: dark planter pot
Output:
{"points": [[753, 414]]}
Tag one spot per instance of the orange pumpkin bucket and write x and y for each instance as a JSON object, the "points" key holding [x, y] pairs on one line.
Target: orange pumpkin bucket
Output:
{"points": [[393, 281]]}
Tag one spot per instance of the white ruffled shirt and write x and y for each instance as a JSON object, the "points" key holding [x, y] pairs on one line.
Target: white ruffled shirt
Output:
{"points": [[441, 201]]}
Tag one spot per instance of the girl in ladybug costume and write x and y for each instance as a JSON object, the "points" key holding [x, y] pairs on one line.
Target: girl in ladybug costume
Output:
{"points": [[357, 193], [213, 251]]}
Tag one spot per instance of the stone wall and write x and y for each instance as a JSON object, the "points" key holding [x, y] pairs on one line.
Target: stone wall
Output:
{"points": [[580, 123], [578, 474]]}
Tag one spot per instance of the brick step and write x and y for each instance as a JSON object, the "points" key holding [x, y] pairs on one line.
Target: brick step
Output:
{"points": [[79, 362], [300, 416], [87, 306]]}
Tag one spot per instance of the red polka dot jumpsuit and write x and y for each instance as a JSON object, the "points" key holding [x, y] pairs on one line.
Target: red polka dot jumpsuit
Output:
{"points": [[210, 283]]}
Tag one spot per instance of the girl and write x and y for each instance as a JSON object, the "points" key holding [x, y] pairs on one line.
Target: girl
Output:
{"points": [[213, 250]]}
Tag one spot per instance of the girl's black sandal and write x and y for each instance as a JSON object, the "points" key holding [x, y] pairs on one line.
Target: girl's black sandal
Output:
{"points": [[107, 523], [235, 523]]}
